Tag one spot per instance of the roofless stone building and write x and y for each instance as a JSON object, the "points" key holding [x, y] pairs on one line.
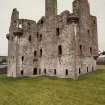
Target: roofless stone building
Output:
{"points": [[64, 45]]}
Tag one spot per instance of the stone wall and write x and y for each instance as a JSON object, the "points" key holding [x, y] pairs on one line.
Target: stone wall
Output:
{"points": [[63, 45]]}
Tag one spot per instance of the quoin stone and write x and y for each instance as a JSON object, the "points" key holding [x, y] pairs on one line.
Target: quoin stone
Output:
{"points": [[64, 45]]}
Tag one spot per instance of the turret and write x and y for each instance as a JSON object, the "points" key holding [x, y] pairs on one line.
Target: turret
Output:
{"points": [[76, 5], [13, 25], [82, 10], [14, 17], [50, 8], [81, 7], [14, 28]]}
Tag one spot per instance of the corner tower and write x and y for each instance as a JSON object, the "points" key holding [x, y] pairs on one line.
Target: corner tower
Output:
{"points": [[81, 8], [14, 19], [50, 8]]}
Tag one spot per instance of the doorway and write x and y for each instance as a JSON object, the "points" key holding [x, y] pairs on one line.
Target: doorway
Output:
{"points": [[35, 71]]}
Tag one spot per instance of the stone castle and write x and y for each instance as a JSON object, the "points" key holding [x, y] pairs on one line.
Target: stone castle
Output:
{"points": [[64, 45]]}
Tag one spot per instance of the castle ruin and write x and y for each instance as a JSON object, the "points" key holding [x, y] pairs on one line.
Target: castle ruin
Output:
{"points": [[64, 45]]}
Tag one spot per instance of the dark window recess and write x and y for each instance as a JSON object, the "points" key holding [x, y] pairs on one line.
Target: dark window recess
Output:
{"points": [[35, 71], [67, 72], [55, 72], [41, 22], [40, 52], [79, 71], [88, 32], [22, 72], [29, 24], [87, 70], [22, 58], [59, 50], [45, 71], [30, 38], [80, 49], [39, 71], [15, 21], [90, 50], [57, 31], [35, 53]]}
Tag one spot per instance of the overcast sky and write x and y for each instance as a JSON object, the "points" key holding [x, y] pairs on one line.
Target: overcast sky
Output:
{"points": [[34, 9]]}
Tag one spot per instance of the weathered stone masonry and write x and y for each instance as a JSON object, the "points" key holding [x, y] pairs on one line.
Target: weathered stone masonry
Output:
{"points": [[64, 45]]}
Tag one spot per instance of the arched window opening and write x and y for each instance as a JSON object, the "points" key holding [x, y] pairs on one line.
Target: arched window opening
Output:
{"points": [[57, 31], [45, 71], [22, 72], [41, 22], [79, 71], [22, 58], [30, 39], [67, 72], [87, 70], [59, 50], [54, 71], [88, 32], [40, 52], [20, 25], [91, 50]]}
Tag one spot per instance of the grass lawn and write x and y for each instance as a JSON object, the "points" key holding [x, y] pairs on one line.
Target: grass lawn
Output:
{"points": [[88, 90]]}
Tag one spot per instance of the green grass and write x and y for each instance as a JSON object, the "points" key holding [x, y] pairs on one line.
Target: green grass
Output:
{"points": [[88, 90]]}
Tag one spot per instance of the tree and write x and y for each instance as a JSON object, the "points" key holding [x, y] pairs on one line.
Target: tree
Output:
{"points": [[101, 53]]}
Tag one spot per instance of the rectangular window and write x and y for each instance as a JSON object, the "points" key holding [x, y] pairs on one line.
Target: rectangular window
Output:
{"points": [[80, 49], [40, 52], [35, 71], [35, 53], [57, 31]]}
